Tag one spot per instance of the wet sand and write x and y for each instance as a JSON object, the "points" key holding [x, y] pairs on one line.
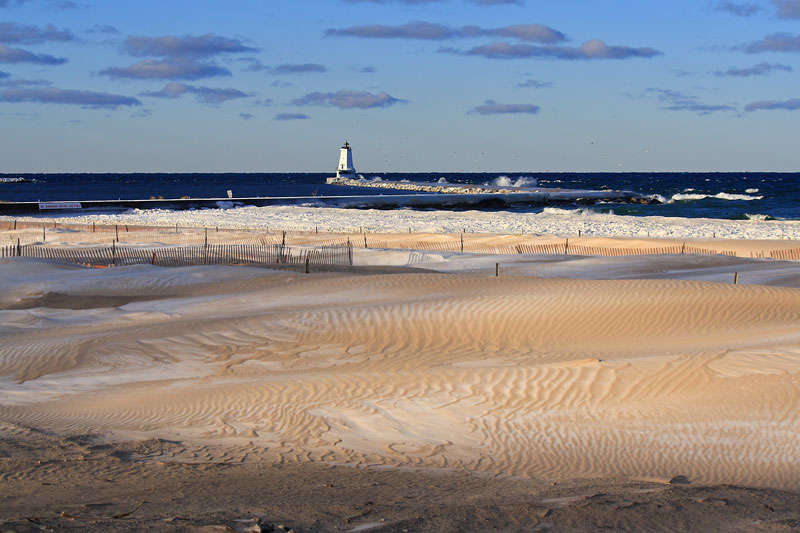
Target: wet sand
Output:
{"points": [[81, 483]]}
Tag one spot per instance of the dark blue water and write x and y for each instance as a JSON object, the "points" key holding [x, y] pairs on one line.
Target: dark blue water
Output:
{"points": [[712, 195]]}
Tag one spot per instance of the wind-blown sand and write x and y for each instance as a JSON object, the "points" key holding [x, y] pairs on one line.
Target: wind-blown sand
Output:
{"points": [[560, 369], [522, 376]]}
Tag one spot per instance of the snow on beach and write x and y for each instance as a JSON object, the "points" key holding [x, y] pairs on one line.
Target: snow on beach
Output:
{"points": [[546, 367], [551, 221]]}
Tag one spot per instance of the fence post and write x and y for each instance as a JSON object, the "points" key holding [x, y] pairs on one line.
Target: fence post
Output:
{"points": [[683, 247], [116, 232], [308, 265], [19, 248], [44, 236], [735, 278], [93, 227], [349, 252], [497, 270], [462, 242], [154, 258], [15, 224], [365, 241], [113, 253], [283, 239], [566, 247]]}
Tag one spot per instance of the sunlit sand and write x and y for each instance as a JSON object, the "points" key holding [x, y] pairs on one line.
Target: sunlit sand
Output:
{"points": [[644, 367]]}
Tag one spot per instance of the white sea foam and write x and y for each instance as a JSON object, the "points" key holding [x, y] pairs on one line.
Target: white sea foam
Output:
{"points": [[505, 181], [756, 216], [558, 211], [720, 196], [751, 191], [661, 199]]}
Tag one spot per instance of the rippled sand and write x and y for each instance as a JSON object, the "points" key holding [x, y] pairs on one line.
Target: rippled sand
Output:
{"points": [[540, 378]]}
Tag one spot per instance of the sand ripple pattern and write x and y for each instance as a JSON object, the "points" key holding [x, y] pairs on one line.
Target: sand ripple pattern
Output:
{"points": [[520, 376]]}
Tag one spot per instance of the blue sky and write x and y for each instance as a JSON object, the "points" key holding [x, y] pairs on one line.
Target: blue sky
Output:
{"points": [[414, 85]]}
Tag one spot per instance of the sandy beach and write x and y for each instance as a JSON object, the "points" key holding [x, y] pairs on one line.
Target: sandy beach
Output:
{"points": [[567, 393]]}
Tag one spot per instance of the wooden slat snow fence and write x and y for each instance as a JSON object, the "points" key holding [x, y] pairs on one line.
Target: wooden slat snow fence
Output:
{"points": [[181, 256], [105, 245], [560, 248], [791, 255], [332, 253]]}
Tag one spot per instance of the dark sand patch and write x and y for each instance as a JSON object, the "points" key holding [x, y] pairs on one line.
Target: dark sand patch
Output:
{"points": [[81, 484], [55, 300]]}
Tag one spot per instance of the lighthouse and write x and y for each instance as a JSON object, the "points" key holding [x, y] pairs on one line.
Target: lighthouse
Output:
{"points": [[346, 169]]}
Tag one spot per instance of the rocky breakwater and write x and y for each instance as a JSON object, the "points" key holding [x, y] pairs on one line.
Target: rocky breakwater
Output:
{"points": [[542, 195], [425, 187]]}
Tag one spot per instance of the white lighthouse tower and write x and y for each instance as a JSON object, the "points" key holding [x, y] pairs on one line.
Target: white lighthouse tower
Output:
{"points": [[346, 169]]}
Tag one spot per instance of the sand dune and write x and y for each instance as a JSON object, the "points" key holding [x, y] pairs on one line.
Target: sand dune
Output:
{"points": [[522, 376]]}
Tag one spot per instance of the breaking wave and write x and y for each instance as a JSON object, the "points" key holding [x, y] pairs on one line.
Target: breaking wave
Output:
{"points": [[720, 196], [661, 199], [568, 212], [758, 217], [505, 181]]}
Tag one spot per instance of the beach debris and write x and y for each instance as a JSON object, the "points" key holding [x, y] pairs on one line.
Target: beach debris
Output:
{"points": [[674, 480], [117, 516], [679, 480], [240, 525], [712, 500]]}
